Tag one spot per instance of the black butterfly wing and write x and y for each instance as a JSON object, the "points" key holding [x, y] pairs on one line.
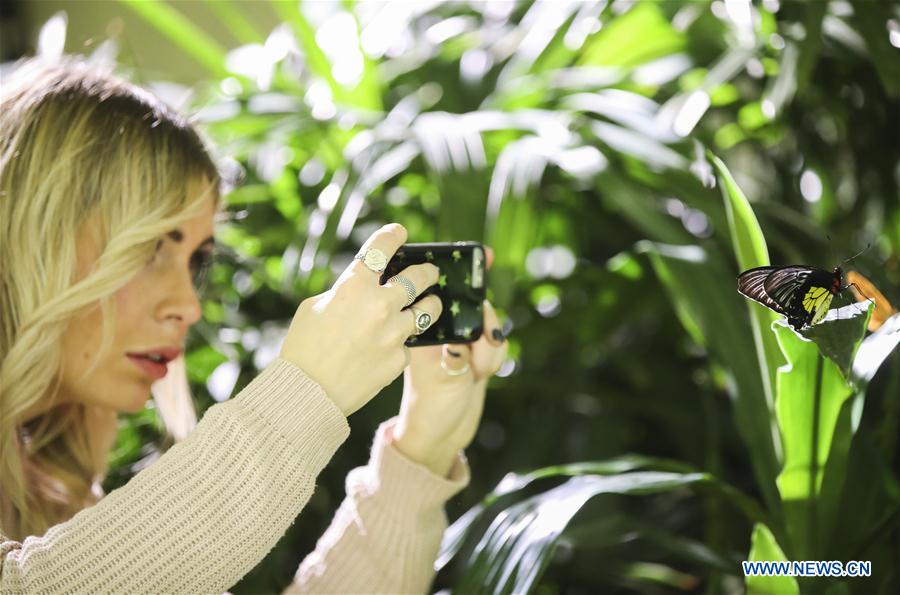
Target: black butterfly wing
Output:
{"points": [[752, 283], [785, 284]]}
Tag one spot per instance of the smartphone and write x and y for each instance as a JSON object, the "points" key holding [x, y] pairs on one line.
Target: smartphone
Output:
{"points": [[461, 287]]}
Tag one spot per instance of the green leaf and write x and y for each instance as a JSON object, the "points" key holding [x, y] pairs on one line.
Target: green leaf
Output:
{"points": [[515, 483], [810, 392], [750, 250], [763, 547], [518, 546], [840, 333], [640, 35]]}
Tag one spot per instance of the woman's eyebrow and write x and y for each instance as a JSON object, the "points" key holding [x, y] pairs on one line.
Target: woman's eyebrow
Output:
{"points": [[177, 236]]}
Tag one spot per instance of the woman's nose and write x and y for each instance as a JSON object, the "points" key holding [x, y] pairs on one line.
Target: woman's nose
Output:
{"points": [[182, 300]]}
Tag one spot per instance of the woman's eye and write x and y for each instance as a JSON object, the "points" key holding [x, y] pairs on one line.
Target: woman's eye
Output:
{"points": [[200, 265]]}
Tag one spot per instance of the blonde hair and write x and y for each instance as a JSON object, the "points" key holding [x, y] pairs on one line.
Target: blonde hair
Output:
{"points": [[76, 141]]}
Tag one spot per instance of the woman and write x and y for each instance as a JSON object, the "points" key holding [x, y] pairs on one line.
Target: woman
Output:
{"points": [[107, 205]]}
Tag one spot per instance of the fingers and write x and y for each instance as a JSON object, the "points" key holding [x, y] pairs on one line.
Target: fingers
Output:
{"points": [[455, 359], [430, 305], [489, 352], [422, 276], [387, 239]]}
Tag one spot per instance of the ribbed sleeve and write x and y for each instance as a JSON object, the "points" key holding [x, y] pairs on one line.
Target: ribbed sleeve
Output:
{"points": [[385, 535], [206, 512]]}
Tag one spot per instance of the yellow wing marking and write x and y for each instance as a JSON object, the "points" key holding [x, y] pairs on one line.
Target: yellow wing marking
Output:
{"points": [[813, 298], [817, 300]]}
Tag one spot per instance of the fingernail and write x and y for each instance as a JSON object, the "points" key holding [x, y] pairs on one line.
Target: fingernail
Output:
{"points": [[497, 334], [453, 353]]}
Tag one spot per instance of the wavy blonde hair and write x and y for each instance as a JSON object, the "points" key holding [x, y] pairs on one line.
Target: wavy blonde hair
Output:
{"points": [[76, 141]]}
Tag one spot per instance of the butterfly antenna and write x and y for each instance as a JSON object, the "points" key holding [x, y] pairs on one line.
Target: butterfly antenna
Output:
{"points": [[869, 245]]}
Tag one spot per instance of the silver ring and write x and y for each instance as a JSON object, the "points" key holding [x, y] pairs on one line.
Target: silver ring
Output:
{"points": [[450, 372], [423, 320], [373, 258], [410, 288]]}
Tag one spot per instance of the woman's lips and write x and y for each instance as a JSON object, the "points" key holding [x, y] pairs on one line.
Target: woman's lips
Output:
{"points": [[155, 370]]}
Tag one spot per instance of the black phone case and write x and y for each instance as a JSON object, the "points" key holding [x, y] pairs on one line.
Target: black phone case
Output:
{"points": [[462, 296]]}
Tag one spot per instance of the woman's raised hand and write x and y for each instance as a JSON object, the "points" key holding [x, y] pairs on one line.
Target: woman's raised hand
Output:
{"points": [[350, 339]]}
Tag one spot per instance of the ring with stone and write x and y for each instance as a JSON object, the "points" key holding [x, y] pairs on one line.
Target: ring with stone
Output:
{"points": [[410, 288], [373, 258], [452, 372], [423, 320]]}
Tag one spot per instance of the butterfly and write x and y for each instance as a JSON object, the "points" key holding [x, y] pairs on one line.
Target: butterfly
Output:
{"points": [[801, 293]]}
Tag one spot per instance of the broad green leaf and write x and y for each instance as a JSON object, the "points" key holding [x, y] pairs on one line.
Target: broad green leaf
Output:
{"points": [[750, 251], [700, 290], [763, 547], [810, 392], [840, 333], [517, 547], [514, 483]]}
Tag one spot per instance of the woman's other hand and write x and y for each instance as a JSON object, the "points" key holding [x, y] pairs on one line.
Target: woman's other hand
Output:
{"points": [[440, 412], [350, 339]]}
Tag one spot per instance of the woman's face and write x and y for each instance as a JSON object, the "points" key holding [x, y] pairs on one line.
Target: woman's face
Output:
{"points": [[154, 311]]}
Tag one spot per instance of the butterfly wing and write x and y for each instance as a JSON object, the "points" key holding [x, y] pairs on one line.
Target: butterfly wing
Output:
{"points": [[785, 284], [752, 283]]}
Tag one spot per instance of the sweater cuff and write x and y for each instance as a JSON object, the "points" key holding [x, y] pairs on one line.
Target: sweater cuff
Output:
{"points": [[411, 486], [297, 408]]}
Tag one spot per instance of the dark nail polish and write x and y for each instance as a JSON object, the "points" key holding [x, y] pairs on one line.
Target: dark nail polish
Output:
{"points": [[453, 353], [498, 335]]}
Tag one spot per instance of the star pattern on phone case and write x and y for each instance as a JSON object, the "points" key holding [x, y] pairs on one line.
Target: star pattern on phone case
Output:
{"points": [[466, 332], [454, 308], [440, 334], [429, 256], [442, 281], [456, 256]]}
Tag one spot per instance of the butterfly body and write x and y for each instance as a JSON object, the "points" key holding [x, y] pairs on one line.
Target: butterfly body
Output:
{"points": [[801, 293]]}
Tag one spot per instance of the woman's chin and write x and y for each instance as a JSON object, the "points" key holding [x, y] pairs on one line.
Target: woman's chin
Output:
{"points": [[135, 404]]}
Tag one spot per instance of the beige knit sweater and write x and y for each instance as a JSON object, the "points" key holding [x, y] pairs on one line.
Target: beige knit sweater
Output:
{"points": [[209, 510]]}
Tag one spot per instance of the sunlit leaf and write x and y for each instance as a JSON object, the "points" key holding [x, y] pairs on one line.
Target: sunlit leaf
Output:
{"points": [[750, 251], [640, 35], [763, 548], [810, 392]]}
